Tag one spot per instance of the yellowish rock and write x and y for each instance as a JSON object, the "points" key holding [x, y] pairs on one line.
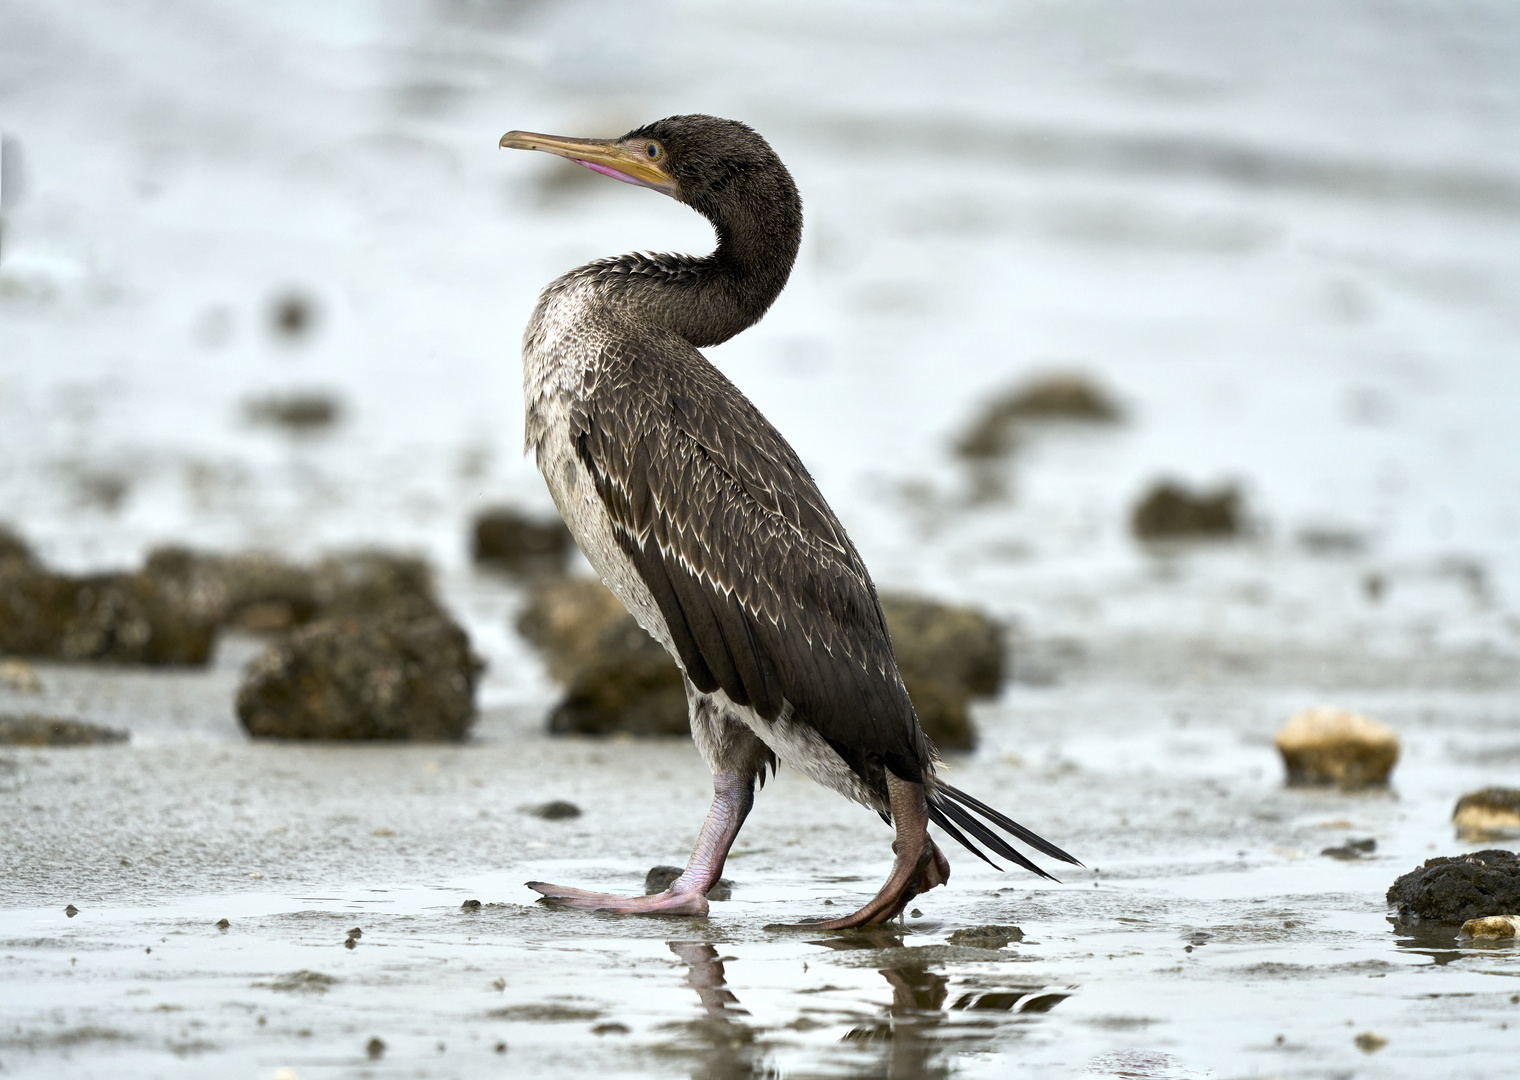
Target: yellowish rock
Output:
{"points": [[1487, 813], [19, 676], [1325, 745], [1492, 927]]}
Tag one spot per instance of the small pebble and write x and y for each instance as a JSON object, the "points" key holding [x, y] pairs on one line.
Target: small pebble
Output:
{"points": [[375, 1048], [613, 1028], [470, 905], [71, 911], [222, 924], [557, 810], [1369, 1042]]}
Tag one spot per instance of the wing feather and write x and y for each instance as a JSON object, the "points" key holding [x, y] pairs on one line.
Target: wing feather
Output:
{"points": [[763, 592]]}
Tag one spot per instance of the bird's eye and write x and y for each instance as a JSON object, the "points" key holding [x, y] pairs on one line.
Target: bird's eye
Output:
{"points": [[653, 150]]}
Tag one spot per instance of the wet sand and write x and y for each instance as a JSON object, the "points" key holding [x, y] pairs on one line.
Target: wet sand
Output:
{"points": [[1208, 935]]}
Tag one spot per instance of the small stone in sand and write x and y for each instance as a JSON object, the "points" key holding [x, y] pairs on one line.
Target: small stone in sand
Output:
{"points": [[986, 937], [1171, 512], [30, 729], [375, 1048], [19, 676], [71, 911], [470, 905], [1492, 811], [556, 810], [1351, 850], [659, 878], [1333, 746], [1369, 1042], [222, 924]]}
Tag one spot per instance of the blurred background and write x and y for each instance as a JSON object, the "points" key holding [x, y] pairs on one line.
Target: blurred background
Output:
{"points": [[1284, 243]]}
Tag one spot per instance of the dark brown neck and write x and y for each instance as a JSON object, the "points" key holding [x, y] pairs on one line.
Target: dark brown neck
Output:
{"points": [[708, 300]]}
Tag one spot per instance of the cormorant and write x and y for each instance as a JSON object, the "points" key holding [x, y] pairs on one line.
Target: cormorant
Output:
{"points": [[702, 520]]}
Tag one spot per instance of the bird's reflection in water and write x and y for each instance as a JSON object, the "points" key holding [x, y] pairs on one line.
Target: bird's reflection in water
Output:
{"points": [[911, 1038]]}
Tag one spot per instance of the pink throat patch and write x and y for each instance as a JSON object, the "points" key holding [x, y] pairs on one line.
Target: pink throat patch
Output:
{"points": [[605, 171]]}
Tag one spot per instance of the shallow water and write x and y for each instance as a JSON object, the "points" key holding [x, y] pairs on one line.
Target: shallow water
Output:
{"points": [[1207, 937], [1285, 238]]}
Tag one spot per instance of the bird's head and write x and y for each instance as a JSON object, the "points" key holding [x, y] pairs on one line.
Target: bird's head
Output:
{"points": [[703, 161]]}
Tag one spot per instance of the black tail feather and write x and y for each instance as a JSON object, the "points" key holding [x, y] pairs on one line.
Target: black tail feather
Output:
{"points": [[965, 820], [950, 807], [1007, 824], [937, 816]]}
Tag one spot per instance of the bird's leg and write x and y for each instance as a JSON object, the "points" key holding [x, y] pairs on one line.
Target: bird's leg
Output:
{"points": [[919, 865], [733, 795]]}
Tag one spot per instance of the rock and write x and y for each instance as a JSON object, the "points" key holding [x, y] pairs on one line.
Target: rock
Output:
{"points": [[948, 655], [521, 545], [119, 618], [618, 678], [375, 1048], [1332, 746], [19, 676], [1351, 850], [1171, 512], [1065, 396], [384, 677], [249, 590], [14, 551], [1369, 1042], [470, 905], [659, 878], [261, 591], [1490, 812], [1460, 888], [300, 412], [377, 583], [558, 810], [1492, 927], [986, 937], [293, 314], [31, 729]]}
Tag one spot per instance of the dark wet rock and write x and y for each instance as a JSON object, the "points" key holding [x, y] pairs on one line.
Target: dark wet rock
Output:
{"points": [[470, 905], [659, 878], [1333, 746], [300, 412], [71, 911], [250, 590], [986, 937], [556, 810], [1061, 396], [375, 1048], [617, 678], [116, 618], [1459, 888], [15, 553], [525, 546], [613, 1028], [374, 582], [20, 677], [948, 656], [375, 678], [222, 924], [1492, 811], [1171, 512], [260, 591], [1351, 850], [31, 729]]}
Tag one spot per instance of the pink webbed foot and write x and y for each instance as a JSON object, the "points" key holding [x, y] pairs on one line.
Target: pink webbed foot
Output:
{"points": [[687, 902]]}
